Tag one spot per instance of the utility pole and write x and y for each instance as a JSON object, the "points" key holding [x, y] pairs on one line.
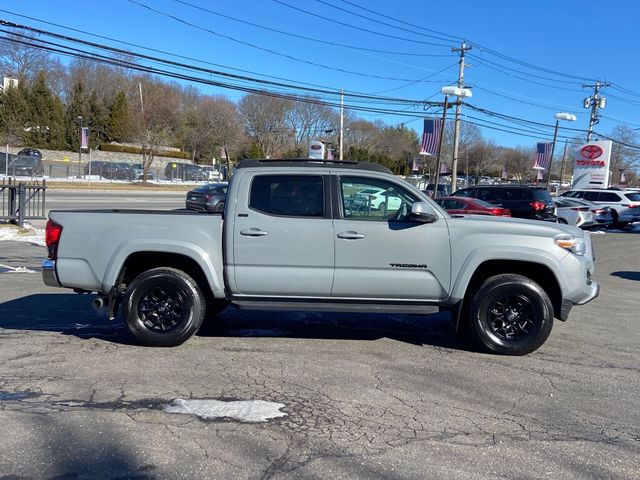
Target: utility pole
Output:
{"points": [[340, 143], [594, 102], [456, 132], [564, 156]]}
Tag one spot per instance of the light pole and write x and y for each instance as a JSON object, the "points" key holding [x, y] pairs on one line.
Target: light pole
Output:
{"points": [[79, 119], [446, 91], [460, 93], [559, 116]]}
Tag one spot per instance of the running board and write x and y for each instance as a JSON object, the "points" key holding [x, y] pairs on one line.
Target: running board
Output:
{"points": [[336, 306]]}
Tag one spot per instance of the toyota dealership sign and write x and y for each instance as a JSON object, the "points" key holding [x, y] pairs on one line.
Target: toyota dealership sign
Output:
{"points": [[591, 165]]}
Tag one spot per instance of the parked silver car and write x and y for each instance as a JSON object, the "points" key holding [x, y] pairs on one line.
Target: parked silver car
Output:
{"points": [[573, 214]]}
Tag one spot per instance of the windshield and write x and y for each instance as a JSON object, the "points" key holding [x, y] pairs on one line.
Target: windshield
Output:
{"points": [[23, 161]]}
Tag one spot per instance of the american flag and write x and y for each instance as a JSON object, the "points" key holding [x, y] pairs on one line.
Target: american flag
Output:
{"points": [[543, 156], [431, 136]]}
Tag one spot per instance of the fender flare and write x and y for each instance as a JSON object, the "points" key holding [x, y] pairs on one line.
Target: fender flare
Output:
{"points": [[164, 247]]}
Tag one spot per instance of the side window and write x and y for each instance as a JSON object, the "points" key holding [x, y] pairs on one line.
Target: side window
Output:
{"points": [[451, 204], [609, 197], [576, 194], [488, 194], [288, 195], [591, 196], [467, 192], [374, 200]]}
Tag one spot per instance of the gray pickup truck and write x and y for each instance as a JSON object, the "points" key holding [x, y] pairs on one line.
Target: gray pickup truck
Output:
{"points": [[323, 235]]}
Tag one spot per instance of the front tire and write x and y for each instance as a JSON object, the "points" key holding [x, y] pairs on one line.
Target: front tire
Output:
{"points": [[510, 314], [163, 307]]}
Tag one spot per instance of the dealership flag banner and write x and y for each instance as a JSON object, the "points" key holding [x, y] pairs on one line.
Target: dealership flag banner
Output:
{"points": [[431, 136], [543, 156], [84, 138], [591, 165]]}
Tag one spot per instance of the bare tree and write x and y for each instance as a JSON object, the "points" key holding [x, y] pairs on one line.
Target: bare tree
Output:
{"points": [[519, 162], [624, 157], [264, 117], [155, 119], [310, 119], [482, 155], [20, 57]]}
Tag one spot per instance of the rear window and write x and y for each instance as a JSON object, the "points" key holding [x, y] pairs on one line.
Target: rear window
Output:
{"points": [[634, 197], [288, 195], [541, 195]]}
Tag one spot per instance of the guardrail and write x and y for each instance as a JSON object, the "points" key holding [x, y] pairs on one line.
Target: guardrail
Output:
{"points": [[20, 201]]}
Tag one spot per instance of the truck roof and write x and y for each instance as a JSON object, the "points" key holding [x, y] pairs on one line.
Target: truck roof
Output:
{"points": [[312, 163]]}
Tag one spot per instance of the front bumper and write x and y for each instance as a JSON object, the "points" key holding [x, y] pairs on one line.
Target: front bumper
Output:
{"points": [[49, 276]]}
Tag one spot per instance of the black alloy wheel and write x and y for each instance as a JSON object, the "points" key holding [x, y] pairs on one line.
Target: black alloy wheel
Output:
{"points": [[163, 307], [510, 314]]}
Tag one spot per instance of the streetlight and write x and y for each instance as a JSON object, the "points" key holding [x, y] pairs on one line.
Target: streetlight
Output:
{"points": [[460, 93], [456, 92], [79, 119], [559, 116]]}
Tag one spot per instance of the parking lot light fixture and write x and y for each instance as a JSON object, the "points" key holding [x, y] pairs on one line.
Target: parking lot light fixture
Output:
{"points": [[460, 93], [559, 116]]}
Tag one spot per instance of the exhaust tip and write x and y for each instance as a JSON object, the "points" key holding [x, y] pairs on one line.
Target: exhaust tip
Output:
{"points": [[100, 302]]}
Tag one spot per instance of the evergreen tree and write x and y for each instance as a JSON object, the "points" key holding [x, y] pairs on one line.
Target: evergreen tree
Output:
{"points": [[119, 123], [45, 116], [78, 106], [14, 111], [97, 120]]}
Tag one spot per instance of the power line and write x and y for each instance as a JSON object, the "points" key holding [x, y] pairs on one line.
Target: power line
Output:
{"points": [[268, 50], [303, 37], [476, 44], [334, 21]]}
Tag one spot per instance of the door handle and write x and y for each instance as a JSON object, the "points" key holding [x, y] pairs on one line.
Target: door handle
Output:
{"points": [[253, 232], [351, 235]]}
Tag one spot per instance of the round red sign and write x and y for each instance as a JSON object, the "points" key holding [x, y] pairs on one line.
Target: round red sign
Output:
{"points": [[591, 151]]}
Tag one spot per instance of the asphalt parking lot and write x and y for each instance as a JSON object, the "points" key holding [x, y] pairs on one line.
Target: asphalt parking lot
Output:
{"points": [[365, 396]]}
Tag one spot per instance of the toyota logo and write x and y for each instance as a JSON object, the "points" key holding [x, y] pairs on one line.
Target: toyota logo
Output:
{"points": [[591, 151]]}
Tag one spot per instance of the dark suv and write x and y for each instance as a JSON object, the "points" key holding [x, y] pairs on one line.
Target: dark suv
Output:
{"points": [[524, 201], [27, 165]]}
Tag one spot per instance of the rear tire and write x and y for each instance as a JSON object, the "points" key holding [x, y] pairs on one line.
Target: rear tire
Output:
{"points": [[163, 307], [509, 314]]}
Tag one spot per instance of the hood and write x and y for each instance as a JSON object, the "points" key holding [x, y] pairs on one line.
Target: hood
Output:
{"points": [[512, 226]]}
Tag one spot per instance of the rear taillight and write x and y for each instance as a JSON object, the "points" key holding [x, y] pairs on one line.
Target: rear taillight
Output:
{"points": [[538, 205], [501, 212], [52, 234]]}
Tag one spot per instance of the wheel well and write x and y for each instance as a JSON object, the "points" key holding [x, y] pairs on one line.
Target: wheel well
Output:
{"points": [[540, 274], [140, 262]]}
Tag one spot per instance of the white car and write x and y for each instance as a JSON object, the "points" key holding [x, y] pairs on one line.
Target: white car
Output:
{"points": [[571, 214], [376, 199], [625, 204]]}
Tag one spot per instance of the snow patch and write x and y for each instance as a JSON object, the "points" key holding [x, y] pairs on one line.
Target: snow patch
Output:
{"points": [[242, 410], [10, 269], [32, 235]]}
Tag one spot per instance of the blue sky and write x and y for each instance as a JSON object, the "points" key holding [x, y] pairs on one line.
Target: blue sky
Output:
{"points": [[567, 39]]}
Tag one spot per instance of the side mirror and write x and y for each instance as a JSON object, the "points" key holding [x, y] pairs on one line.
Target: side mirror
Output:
{"points": [[423, 212]]}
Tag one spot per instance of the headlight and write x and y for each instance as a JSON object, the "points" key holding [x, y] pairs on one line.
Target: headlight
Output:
{"points": [[575, 245]]}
